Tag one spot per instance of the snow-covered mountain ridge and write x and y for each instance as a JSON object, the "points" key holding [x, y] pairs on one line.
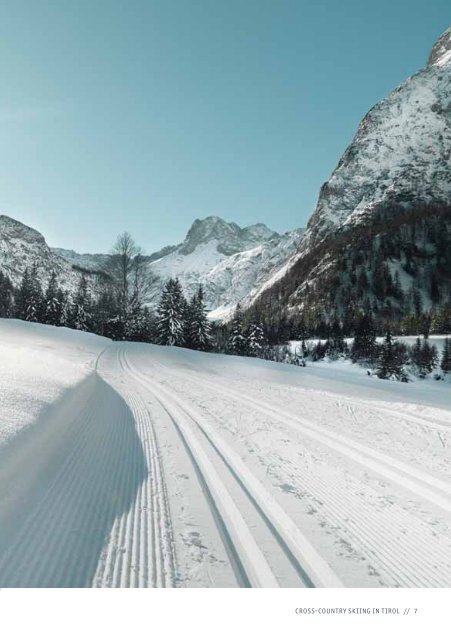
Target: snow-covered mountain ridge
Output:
{"points": [[229, 262], [390, 195], [22, 247], [401, 150]]}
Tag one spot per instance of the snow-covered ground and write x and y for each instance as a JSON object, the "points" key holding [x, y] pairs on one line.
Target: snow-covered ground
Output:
{"points": [[139, 465], [38, 364]]}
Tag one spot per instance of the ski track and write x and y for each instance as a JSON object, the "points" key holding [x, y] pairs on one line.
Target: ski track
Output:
{"points": [[140, 550], [312, 569], [418, 482], [100, 517], [402, 548], [103, 519]]}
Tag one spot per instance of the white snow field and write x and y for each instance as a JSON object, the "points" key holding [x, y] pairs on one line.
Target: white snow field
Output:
{"points": [[133, 465]]}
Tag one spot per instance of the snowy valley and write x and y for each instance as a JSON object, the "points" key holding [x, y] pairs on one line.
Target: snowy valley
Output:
{"points": [[246, 408], [138, 465]]}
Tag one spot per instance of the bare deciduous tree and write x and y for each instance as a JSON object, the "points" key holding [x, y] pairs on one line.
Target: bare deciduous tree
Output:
{"points": [[129, 272]]}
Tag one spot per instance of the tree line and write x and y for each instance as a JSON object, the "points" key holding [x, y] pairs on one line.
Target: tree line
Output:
{"points": [[390, 359], [118, 310]]}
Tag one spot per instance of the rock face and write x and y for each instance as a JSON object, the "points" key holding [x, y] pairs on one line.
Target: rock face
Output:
{"points": [[90, 261], [395, 174], [21, 247], [228, 237], [400, 152], [229, 262], [232, 263], [441, 51]]}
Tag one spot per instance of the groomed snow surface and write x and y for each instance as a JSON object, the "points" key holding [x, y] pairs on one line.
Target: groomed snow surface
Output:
{"points": [[131, 465]]}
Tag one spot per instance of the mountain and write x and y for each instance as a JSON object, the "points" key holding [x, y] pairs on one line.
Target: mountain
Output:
{"points": [[90, 261], [379, 238], [99, 261], [229, 262], [22, 246], [232, 263]]}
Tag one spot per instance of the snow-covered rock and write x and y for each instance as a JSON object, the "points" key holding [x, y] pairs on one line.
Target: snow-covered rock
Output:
{"points": [[229, 261], [400, 152], [22, 247], [398, 162], [90, 261]]}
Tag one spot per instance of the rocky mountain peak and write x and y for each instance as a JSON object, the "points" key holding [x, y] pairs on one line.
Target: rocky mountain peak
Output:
{"points": [[386, 206], [230, 237], [441, 51], [400, 153], [13, 229]]}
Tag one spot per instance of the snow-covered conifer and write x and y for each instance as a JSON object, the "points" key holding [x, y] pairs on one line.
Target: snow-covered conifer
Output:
{"points": [[170, 315], [197, 326], [255, 338], [52, 303], [445, 362], [237, 343], [80, 314]]}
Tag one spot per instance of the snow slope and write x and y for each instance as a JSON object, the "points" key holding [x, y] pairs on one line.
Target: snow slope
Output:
{"points": [[393, 178], [38, 365], [21, 247], [230, 262], [167, 467], [400, 151]]}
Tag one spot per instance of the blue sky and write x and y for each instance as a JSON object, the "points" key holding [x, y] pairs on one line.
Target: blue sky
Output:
{"points": [[144, 115]]}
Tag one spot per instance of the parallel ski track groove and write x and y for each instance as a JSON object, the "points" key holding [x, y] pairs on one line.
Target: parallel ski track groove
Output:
{"points": [[251, 568], [271, 513], [140, 551], [375, 536], [423, 484]]}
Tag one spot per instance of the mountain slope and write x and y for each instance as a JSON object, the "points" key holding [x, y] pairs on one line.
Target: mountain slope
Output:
{"points": [[22, 247], [229, 262], [379, 238]]}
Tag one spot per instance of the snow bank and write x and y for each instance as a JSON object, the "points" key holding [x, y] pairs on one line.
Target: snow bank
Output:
{"points": [[38, 363]]}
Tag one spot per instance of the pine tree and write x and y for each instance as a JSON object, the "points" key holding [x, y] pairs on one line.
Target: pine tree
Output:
{"points": [[63, 301], [22, 295], [415, 354], [170, 315], [6, 296], [364, 345], [424, 357], [429, 357], [392, 359], [445, 363], [237, 343], [197, 326], [52, 303], [80, 314], [29, 299], [136, 328], [255, 338]]}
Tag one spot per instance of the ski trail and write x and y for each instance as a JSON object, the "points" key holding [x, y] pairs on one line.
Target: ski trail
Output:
{"points": [[64, 519], [404, 550], [140, 550], [310, 566], [418, 482], [94, 511], [251, 566]]}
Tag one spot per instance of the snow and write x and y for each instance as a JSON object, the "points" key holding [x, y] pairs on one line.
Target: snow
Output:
{"points": [[399, 154], [227, 278], [22, 247], [38, 364], [160, 466]]}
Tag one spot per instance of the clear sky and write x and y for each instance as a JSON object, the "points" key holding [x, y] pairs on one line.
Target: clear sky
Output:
{"points": [[145, 114]]}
